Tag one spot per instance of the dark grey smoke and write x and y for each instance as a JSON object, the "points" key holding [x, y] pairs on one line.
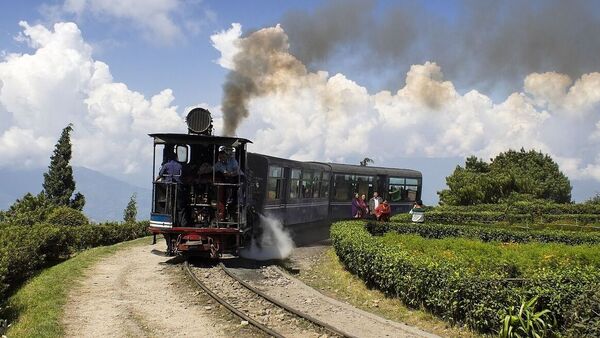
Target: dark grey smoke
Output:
{"points": [[484, 42], [263, 65]]}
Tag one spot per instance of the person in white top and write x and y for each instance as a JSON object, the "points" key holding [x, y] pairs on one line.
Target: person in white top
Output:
{"points": [[418, 212]]}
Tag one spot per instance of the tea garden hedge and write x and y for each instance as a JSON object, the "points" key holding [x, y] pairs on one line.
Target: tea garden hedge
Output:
{"points": [[471, 275], [24, 250]]}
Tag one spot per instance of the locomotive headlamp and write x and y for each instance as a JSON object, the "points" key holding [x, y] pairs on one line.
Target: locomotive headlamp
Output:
{"points": [[199, 121]]}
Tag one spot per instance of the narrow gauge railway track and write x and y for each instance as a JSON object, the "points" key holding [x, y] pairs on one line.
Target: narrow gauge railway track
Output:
{"points": [[260, 310]]}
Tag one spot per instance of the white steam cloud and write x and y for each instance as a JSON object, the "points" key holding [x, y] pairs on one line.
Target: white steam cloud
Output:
{"points": [[293, 112], [274, 242]]}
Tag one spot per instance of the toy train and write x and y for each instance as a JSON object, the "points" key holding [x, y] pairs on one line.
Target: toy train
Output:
{"points": [[210, 204]]}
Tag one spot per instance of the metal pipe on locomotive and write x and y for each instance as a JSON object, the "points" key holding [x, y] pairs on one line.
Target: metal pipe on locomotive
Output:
{"points": [[203, 210]]}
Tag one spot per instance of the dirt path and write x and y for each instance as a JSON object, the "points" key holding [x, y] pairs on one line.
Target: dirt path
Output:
{"points": [[133, 294]]}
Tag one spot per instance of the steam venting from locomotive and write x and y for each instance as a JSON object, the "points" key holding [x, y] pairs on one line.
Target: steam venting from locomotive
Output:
{"points": [[274, 243]]}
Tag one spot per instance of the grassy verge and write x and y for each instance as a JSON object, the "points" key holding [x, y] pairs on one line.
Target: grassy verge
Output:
{"points": [[37, 308], [330, 277]]}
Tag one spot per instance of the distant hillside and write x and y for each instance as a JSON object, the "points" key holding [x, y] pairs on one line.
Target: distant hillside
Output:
{"points": [[106, 197]]}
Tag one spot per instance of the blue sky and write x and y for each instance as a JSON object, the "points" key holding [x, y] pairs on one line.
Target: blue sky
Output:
{"points": [[401, 82]]}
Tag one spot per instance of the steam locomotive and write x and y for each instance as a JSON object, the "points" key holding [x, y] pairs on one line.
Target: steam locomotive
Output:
{"points": [[212, 202]]}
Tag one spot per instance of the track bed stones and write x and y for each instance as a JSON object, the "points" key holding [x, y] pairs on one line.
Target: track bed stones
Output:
{"points": [[282, 286], [281, 321]]}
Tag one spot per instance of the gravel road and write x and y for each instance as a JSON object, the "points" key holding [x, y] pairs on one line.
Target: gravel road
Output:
{"points": [[135, 294]]}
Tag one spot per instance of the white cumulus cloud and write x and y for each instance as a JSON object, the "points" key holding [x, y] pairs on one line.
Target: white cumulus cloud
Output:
{"points": [[293, 112], [60, 83]]}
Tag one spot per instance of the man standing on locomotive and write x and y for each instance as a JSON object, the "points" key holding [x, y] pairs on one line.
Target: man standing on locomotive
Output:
{"points": [[229, 171]]}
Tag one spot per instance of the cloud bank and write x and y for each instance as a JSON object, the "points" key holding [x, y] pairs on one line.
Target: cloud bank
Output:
{"points": [[479, 42], [61, 83], [291, 111]]}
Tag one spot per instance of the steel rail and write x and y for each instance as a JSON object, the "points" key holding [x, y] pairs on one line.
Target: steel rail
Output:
{"points": [[298, 313], [231, 308]]}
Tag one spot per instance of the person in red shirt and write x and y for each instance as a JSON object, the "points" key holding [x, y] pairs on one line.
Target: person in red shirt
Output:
{"points": [[383, 211]]}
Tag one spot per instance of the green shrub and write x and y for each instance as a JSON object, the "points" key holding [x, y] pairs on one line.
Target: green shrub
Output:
{"points": [[583, 317], [467, 281], [460, 216], [29, 210], [485, 233], [527, 322], [67, 216], [26, 250]]}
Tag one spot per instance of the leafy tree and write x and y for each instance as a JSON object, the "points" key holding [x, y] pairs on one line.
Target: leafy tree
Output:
{"points": [[59, 184], [67, 216], [29, 210], [130, 212], [594, 199], [366, 162], [509, 173]]}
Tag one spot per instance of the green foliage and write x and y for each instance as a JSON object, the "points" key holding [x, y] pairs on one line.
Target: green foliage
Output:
{"points": [[526, 322], [59, 184], [467, 281], [67, 216], [485, 233], [520, 172], [130, 212], [29, 210], [365, 162], [583, 319], [26, 250], [594, 200]]}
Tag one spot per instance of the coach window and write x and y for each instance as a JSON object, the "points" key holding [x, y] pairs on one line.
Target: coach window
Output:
{"points": [[343, 185], [274, 183], [396, 189], [361, 184], [411, 187], [316, 184], [306, 188], [324, 191], [295, 183]]}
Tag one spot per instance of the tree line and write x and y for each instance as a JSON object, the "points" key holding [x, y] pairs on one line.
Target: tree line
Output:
{"points": [[58, 195]]}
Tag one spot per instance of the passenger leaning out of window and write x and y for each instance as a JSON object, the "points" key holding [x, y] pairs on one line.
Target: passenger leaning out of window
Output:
{"points": [[418, 212]]}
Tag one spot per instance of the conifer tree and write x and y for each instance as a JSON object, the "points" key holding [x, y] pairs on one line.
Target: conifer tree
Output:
{"points": [[59, 184], [130, 212]]}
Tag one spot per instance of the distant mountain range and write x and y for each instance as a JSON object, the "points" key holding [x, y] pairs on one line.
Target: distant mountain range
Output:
{"points": [[106, 197]]}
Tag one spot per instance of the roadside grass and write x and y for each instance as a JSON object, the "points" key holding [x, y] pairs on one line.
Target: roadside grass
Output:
{"points": [[36, 309], [329, 276]]}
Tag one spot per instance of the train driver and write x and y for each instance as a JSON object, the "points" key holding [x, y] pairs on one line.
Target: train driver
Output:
{"points": [[170, 171], [227, 165]]}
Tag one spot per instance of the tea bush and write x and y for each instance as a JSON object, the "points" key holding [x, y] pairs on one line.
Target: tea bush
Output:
{"points": [[485, 233], [26, 250], [467, 281]]}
